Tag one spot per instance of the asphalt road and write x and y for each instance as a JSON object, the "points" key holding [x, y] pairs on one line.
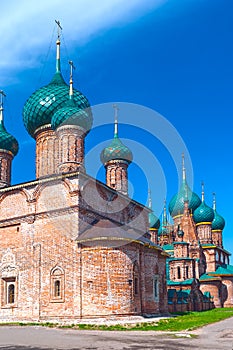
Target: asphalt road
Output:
{"points": [[214, 337]]}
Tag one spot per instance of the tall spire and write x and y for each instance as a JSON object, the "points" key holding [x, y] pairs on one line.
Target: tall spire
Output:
{"points": [[183, 168], [165, 213], [58, 42], [202, 192], [116, 108], [2, 95], [71, 79], [214, 200], [149, 199]]}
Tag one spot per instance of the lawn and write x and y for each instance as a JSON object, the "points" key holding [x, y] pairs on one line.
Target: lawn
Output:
{"points": [[185, 322]]}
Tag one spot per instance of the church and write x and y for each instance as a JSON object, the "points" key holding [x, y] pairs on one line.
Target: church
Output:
{"points": [[73, 247], [199, 275]]}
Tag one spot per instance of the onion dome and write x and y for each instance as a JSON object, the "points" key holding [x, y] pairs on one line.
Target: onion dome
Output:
{"points": [[176, 205], [7, 141], [43, 103], [154, 222], [203, 214], [116, 149], [71, 113], [218, 223]]}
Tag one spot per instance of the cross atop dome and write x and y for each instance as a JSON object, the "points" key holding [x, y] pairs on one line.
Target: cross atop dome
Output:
{"points": [[2, 95], [116, 109]]}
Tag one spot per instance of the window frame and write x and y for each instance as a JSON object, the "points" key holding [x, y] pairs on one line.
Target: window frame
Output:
{"points": [[57, 275]]}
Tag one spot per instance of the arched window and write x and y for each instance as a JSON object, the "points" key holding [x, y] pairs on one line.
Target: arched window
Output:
{"points": [[57, 288], [11, 294], [57, 283], [187, 272]]}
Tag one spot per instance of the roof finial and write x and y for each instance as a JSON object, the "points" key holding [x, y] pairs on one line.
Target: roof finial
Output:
{"points": [[165, 213], [202, 192], [183, 168], [2, 94], [58, 42], [149, 199], [116, 108], [71, 78], [214, 200]]}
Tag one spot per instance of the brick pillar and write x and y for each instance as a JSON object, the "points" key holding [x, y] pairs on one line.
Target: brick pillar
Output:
{"points": [[71, 148], [217, 238], [46, 152], [5, 168], [117, 175], [204, 232], [153, 235]]}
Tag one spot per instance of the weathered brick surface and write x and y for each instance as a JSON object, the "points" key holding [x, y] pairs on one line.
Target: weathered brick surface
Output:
{"points": [[5, 168], [38, 230]]}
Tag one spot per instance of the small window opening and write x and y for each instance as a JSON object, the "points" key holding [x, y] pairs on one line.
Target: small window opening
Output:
{"points": [[178, 272], [11, 294], [57, 288]]}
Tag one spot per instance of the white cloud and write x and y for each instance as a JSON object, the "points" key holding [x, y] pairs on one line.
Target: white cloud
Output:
{"points": [[26, 26]]}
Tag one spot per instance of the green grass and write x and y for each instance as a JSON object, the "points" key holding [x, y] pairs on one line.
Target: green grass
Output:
{"points": [[185, 322]]}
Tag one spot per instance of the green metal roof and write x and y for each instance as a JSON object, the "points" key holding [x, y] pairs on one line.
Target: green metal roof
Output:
{"points": [[116, 150], [223, 270], [168, 247], [218, 223], [7, 141], [72, 114], [186, 282], [43, 103], [203, 213], [206, 277], [176, 205]]}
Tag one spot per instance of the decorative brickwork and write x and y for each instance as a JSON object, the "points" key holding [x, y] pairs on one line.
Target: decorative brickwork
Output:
{"points": [[117, 175], [71, 148], [53, 268], [5, 168]]}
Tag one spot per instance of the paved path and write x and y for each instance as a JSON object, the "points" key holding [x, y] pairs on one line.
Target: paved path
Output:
{"points": [[214, 337]]}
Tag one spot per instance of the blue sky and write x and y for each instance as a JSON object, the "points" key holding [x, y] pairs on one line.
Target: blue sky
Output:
{"points": [[169, 65]]}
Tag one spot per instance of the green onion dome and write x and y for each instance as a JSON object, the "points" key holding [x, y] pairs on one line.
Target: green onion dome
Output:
{"points": [[116, 150], [218, 223], [154, 222], [7, 141], [203, 214], [176, 205], [72, 114], [43, 103]]}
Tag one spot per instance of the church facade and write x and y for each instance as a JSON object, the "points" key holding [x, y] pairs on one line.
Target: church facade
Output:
{"points": [[71, 246], [199, 274]]}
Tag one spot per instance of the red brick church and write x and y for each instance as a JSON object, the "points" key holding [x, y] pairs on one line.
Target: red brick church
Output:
{"points": [[73, 247]]}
